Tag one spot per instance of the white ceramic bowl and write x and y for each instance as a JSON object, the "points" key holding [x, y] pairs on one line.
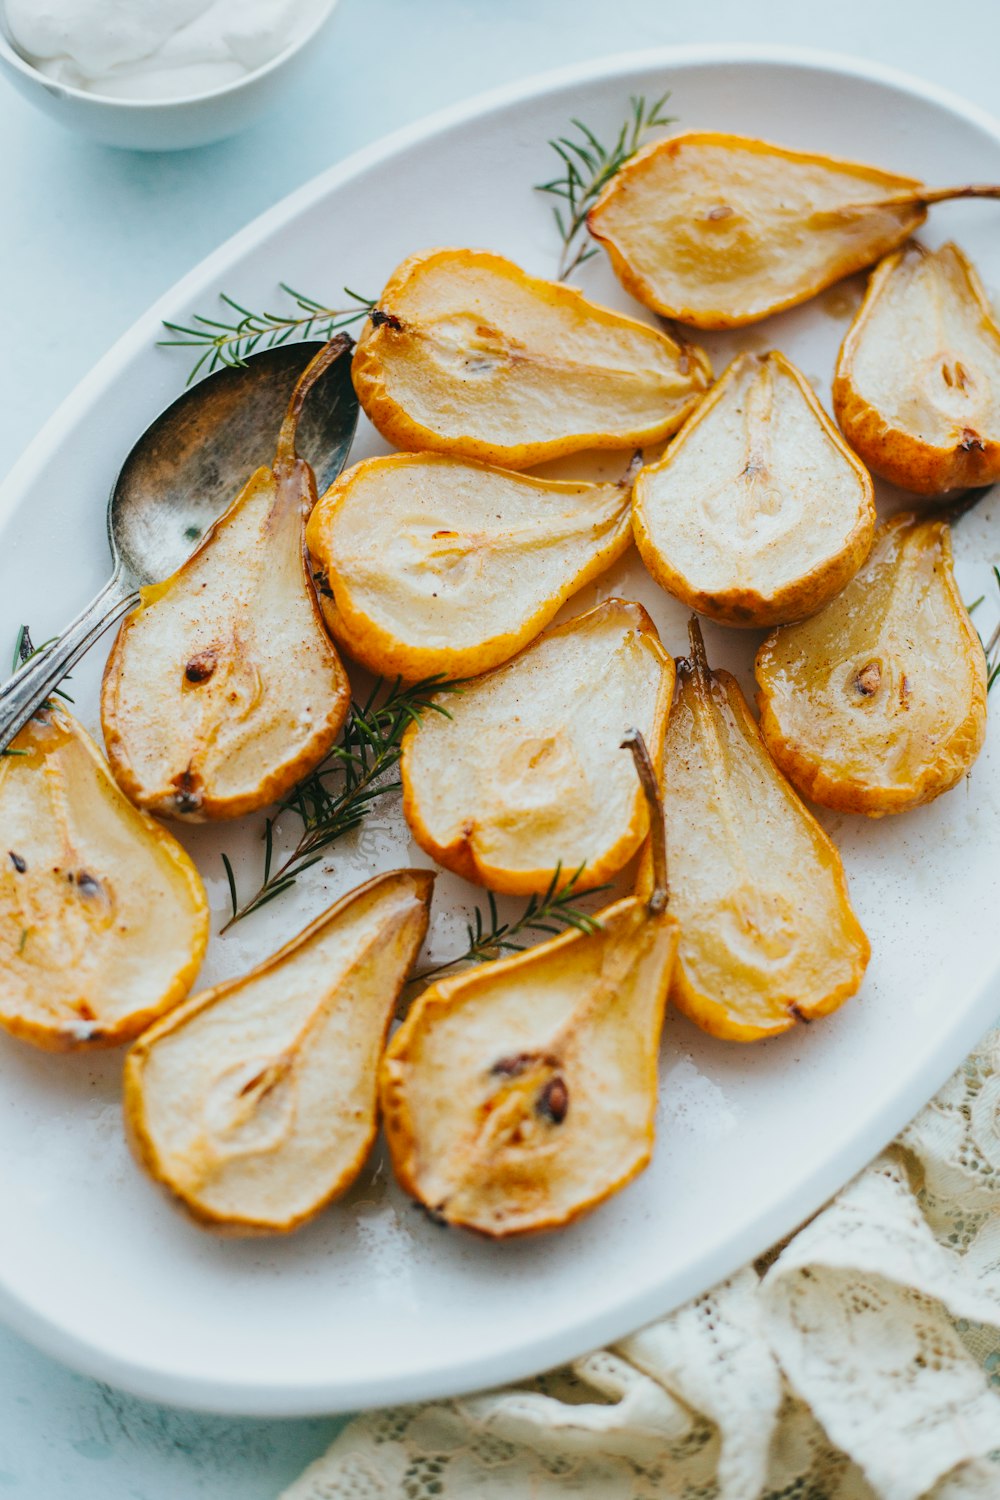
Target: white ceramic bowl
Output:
{"points": [[168, 124]]}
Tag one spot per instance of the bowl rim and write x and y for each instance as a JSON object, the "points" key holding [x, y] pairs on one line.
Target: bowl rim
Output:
{"points": [[10, 55]]}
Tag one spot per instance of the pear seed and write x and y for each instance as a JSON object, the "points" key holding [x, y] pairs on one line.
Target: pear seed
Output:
{"points": [[868, 679], [201, 667], [553, 1101]]}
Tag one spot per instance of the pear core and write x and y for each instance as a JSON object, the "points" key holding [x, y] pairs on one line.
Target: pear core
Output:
{"points": [[519, 1095], [467, 354], [917, 389], [255, 1103], [223, 688], [878, 702], [526, 775], [440, 566], [721, 230], [103, 917], [767, 933], [758, 513]]}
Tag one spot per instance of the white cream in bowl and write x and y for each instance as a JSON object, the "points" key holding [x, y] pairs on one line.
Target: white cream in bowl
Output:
{"points": [[151, 49]]}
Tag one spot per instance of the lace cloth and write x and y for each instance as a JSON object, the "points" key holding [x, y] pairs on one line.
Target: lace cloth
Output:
{"points": [[860, 1359]]}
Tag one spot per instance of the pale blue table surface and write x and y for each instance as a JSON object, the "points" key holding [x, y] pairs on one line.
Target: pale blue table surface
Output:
{"points": [[90, 237]]}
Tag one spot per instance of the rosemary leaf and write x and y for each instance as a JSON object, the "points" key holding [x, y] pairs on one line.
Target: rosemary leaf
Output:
{"points": [[23, 649], [232, 883], [268, 847], [589, 167]]}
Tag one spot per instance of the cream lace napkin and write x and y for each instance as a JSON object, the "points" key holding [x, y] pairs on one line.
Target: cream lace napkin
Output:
{"points": [[863, 1359]]}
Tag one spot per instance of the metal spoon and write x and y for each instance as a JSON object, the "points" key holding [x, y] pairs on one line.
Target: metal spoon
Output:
{"points": [[180, 476]]}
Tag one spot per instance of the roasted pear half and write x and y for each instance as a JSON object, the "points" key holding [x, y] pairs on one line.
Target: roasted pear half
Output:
{"points": [[223, 688], [917, 390], [720, 230], [767, 933], [759, 512], [103, 917], [878, 703], [440, 566], [467, 354], [518, 1095], [255, 1103], [522, 779]]}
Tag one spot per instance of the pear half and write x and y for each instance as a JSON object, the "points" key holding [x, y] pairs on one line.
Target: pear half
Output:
{"points": [[467, 354], [720, 230], [878, 703], [518, 1095], [440, 566], [255, 1103], [103, 917], [524, 778], [223, 688], [767, 932], [917, 390], [759, 512]]}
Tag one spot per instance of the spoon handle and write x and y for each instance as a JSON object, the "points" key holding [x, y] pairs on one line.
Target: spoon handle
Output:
{"points": [[24, 693]]}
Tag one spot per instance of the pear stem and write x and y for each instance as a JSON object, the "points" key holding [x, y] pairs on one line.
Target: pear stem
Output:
{"points": [[969, 190], [285, 454], [646, 771], [922, 197], [635, 463], [699, 656]]}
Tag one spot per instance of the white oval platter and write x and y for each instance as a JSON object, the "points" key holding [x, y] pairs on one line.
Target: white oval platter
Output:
{"points": [[372, 1303]]}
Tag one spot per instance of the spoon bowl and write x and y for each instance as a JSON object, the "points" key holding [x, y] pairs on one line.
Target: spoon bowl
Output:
{"points": [[180, 476]]}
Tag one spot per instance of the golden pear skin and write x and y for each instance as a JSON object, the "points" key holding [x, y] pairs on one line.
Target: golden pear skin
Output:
{"points": [[523, 778], [254, 1104], [767, 933], [103, 917], [467, 354], [521, 1094], [439, 566], [758, 513], [878, 703], [223, 688], [917, 389], [721, 230]]}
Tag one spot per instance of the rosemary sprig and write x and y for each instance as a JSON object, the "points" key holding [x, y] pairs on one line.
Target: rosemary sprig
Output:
{"points": [[550, 913], [991, 648], [588, 167], [232, 343], [24, 651], [339, 794]]}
